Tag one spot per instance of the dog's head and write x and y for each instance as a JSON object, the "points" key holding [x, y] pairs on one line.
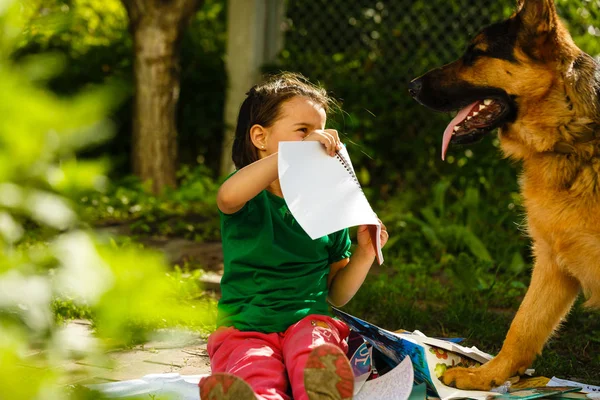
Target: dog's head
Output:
{"points": [[511, 76]]}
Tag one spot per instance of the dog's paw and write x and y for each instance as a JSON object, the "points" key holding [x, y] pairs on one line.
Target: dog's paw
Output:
{"points": [[470, 379]]}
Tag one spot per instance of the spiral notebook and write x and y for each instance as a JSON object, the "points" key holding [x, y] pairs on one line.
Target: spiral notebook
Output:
{"points": [[323, 192]]}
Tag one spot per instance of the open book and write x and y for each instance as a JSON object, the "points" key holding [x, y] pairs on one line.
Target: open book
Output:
{"points": [[429, 358], [323, 192]]}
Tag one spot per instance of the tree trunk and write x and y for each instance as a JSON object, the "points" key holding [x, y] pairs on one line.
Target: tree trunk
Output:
{"points": [[156, 27]]}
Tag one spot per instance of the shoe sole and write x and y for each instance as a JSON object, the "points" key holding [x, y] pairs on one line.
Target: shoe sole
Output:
{"points": [[222, 386], [328, 374]]}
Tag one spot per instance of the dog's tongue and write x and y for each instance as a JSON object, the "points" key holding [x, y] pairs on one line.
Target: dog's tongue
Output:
{"points": [[462, 114]]}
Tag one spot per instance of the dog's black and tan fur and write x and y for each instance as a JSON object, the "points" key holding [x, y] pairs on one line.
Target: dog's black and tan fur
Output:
{"points": [[545, 93]]}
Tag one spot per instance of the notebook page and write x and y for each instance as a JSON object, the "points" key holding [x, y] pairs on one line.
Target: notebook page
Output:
{"points": [[396, 384], [322, 195]]}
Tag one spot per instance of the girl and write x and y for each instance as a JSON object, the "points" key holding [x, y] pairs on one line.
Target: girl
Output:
{"points": [[275, 335]]}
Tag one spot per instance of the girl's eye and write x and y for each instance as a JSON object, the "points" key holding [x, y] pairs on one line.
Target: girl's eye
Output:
{"points": [[305, 130]]}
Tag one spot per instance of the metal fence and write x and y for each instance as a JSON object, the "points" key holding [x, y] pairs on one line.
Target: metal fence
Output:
{"points": [[389, 36], [366, 51]]}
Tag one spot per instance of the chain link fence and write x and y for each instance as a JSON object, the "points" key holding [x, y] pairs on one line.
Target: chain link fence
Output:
{"points": [[394, 40], [366, 51]]}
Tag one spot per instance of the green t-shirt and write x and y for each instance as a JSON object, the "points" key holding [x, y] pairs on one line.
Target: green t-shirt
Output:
{"points": [[275, 274]]}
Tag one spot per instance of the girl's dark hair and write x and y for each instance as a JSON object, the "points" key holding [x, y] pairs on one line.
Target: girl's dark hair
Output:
{"points": [[262, 106]]}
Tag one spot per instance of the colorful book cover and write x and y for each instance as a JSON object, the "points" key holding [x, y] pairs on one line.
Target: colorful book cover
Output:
{"points": [[430, 357]]}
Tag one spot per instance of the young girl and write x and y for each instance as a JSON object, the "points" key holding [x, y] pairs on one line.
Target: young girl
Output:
{"points": [[275, 335]]}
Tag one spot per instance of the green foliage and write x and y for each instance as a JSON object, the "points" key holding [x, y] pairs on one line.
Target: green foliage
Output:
{"points": [[189, 211], [67, 309], [583, 21], [51, 267], [203, 86], [456, 236], [77, 27], [445, 236]]}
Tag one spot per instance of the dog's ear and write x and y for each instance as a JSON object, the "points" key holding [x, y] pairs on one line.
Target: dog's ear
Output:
{"points": [[538, 16], [543, 36]]}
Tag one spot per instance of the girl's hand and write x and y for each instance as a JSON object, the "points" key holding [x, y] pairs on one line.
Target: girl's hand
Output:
{"points": [[363, 237], [328, 138]]}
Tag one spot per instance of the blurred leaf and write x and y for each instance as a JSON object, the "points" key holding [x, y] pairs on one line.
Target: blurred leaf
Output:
{"points": [[476, 246], [439, 195], [47, 264], [517, 264]]}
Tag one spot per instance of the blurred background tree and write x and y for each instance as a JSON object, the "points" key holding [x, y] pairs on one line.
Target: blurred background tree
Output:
{"points": [[157, 28], [95, 38]]}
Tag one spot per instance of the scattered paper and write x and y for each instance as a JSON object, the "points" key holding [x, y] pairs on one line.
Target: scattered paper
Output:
{"points": [[396, 384], [173, 385], [584, 387], [323, 192], [429, 361]]}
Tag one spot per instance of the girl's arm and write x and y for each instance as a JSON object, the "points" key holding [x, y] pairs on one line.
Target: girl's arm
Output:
{"points": [[246, 184], [254, 178], [349, 279]]}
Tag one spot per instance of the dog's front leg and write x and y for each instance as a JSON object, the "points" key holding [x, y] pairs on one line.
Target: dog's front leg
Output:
{"points": [[548, 299]]}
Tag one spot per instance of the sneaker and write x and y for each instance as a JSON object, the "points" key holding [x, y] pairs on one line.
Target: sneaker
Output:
{"points": [[328, 374], [222, 386]]}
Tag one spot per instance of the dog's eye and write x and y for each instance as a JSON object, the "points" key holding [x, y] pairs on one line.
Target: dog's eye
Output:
{"points": [[471, 55]]}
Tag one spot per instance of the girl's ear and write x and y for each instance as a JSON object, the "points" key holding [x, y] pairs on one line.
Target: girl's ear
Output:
{"points": [[259, 136]]}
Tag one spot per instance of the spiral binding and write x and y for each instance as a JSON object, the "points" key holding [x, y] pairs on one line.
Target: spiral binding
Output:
{"points": [[348, 168]]}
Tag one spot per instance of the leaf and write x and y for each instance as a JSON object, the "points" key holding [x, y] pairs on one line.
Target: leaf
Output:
{"points": [[517, 264], [471, 205], [431, 236], [476, 246], [430, 217], [439, 194]]}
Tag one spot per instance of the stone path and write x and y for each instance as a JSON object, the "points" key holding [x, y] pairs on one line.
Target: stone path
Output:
{"points": [[181, 352]]}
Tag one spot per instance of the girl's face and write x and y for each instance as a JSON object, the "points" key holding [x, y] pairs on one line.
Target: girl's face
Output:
{"points": [[297, 117]]}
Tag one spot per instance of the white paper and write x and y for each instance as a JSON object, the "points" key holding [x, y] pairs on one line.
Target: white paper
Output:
{"points": [[446, 392], [396, 384], [322, 192], [471, 352], [177, 387], [584, 387]]}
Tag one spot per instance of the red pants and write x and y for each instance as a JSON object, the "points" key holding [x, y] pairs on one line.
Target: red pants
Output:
{"points": [[272, 362]]}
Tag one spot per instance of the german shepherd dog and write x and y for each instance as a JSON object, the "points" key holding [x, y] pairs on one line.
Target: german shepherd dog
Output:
{"points": [[527, 77]]}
